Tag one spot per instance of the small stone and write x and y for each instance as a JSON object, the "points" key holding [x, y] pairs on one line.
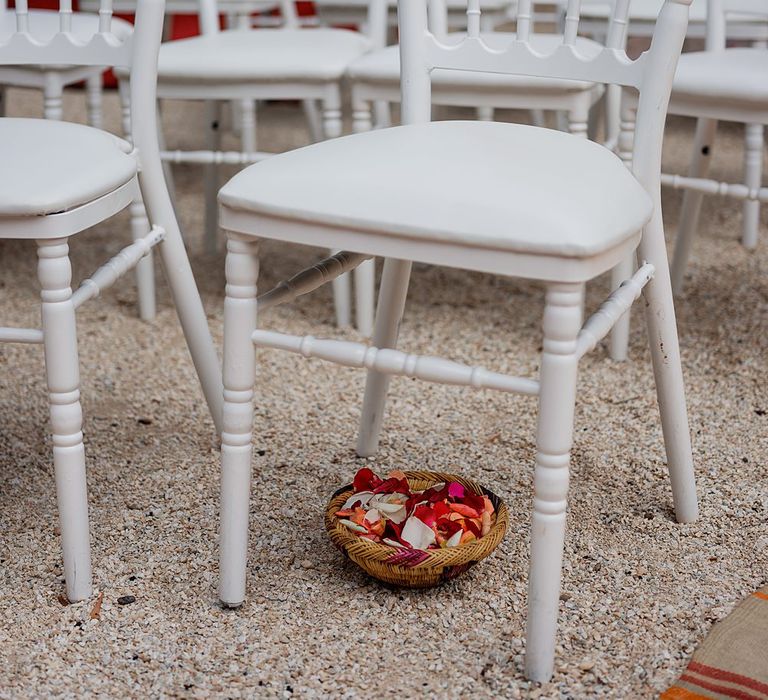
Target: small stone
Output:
{"points": [[587, 665], [307, 564], [126, 599]]}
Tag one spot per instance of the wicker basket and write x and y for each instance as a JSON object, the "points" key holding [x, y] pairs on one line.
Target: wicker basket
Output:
{"points": [[415, 568]]}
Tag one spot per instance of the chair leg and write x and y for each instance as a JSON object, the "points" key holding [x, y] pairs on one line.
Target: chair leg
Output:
{"points": [[242, 270], [689, 214], [484, 114], [365, 273], [314, 122], [618, 348], [342, 293], [557, 398], [93, 101], [365, 289], [392, 296], [211, 175], [753, 177], [181, 281], [167, 166], [63, 378], [53, 91], [668, 372], [145, 269], [248, 126]]}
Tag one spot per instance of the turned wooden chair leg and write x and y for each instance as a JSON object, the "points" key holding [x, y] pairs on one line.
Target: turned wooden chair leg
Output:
{"points": [[63, 379], [618, 347], [365, 273], [689, 214], [211, 175], [314, 121], [93, 100], [668, 372], [145, 269], [557, 398], [342, 292], [392, 296], [753, 178], [242, 270], [53, 92]]}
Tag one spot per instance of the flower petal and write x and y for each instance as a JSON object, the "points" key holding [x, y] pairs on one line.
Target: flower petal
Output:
{"points": [[417, 534]]}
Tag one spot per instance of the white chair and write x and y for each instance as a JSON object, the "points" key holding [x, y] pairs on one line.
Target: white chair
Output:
{"points": [[499, 198], [743, 27], [58, 179], [721, 84], [53, 79], [246, 65], [726, 84]]}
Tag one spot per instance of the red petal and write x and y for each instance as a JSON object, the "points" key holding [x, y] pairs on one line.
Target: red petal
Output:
{"points": [[426, 514], [365, 480]]}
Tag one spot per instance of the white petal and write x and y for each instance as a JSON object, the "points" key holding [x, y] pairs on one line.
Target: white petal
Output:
{"points": [[454, 539], [363, 497], [392, 543], [353, 526], [417, 534], [372, 516], [398, 516]]}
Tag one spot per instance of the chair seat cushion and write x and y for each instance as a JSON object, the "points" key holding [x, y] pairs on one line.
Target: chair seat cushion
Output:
{"points": [[383, 66], [49, 167], [735, 76], [44, 24], [315, 55], [487, 184]]}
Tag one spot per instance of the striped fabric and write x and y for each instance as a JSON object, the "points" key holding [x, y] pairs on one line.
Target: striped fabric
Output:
{"points": [[733, 660]]}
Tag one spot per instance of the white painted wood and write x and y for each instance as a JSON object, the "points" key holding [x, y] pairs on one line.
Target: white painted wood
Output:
{"points": [[63, 379], [394, 362], [116, 267], [725, 83], [246, 65], [242, 270], [218, 157], [93, 101], [311, 278], [211, 174], [389, 313], [365, 285], [704, 142], [21, 335], [753, 175], [41, 200], [392, 211], [611, 311], [554, 436]]}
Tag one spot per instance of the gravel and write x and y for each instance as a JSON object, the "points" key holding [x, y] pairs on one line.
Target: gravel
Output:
{"points": [[639, 590]]}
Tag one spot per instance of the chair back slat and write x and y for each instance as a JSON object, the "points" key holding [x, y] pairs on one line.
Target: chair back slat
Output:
{"points": [[65, 16], [22, 16], [718, 12], [104, 48], [105, 16], [421, 52], [473, 18], [524, 19], [571, 22]]}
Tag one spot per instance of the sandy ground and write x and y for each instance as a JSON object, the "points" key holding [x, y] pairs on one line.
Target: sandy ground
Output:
{"points": [[639, 591]]}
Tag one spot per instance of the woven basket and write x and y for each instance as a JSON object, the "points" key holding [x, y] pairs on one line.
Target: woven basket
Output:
{"points": [[415, 568]]}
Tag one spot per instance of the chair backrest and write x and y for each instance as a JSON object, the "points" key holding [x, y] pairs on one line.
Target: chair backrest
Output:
{"points": [[651, 74], [138, 52], [376, 23], [717, 16]]}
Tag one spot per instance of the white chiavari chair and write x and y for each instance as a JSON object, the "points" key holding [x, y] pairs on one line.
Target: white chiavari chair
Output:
{"points": [[721, 84], [499, 198], [718, 84], [52, 80], [245, 65], [58, 179]]}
